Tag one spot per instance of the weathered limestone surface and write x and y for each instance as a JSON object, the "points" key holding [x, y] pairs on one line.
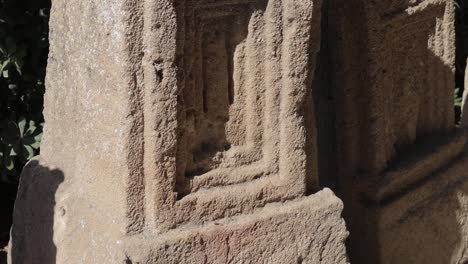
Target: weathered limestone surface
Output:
{"points": [[399, 171], [396, 69], [278, 233], [202, 131], [176, 133], [306, 231], [86, 141], [430, 223], [425, 224]]}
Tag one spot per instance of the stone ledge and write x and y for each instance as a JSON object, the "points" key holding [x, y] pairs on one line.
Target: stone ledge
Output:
{"points": [[417, 165], [308, 230]]}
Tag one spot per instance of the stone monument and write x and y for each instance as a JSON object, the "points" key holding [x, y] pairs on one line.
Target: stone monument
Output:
{"points": [[210, 131], [400, 158], [176, 133]]}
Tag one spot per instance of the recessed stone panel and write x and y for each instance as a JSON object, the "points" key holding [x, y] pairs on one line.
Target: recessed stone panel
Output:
{"points": [[402, 89], [184, 132], [224, 112]]}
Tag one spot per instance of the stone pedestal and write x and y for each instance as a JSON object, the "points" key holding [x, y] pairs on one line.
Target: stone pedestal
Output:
{"points": [[176, 133], [205, 131]]}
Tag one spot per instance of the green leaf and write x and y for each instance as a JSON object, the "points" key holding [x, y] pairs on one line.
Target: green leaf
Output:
{"points": [[22, 126], [8, 163], [23, 58], [14, 151], [36, 145], [38, 138], [31, 129], [3, 49], [28, 152], [4, 64], [19, 65]]}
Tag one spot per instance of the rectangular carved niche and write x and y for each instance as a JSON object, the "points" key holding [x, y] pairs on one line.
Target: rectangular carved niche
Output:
{"points": [[407, 82], [412, 95], [224, 113], [223, 119], [406, 125], [415, 80]]}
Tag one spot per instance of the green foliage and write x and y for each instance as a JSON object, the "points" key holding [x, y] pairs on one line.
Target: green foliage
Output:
{"points": [[457, 99], [23, 59]]}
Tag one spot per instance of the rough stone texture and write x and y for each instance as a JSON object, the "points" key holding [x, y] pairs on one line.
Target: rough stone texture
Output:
{"points": [[426, 224], [179, 131], [257, 55], [308, 230], [397, 147], [278, 233], [199, 131], [393, 76]]}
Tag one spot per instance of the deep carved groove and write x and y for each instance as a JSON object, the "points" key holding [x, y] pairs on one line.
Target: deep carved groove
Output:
{"points": [[226, 131]]}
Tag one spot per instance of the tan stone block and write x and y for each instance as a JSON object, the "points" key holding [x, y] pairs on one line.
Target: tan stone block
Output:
{"points": [[278, 233], [227, 104], [393, 78], [178, 125], [427, 223]]}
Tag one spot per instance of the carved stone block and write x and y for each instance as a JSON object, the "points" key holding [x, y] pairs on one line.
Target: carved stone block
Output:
{"points": [[178, 128], [224, 127], [411, 72], [396, 137], [399, 86]]}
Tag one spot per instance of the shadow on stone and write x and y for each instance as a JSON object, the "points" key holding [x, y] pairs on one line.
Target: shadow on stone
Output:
{"points": [[392, 89], [33, 216]]}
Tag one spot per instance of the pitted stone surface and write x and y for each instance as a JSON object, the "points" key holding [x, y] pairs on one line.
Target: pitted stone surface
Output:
{"points": [[224, 109], [396, 68], [179, 130], [202, 131], [279, 233], [397, 144]]}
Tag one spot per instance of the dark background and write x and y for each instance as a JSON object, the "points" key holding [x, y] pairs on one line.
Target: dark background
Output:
{"points": [[23, 58], [461, 27]]}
